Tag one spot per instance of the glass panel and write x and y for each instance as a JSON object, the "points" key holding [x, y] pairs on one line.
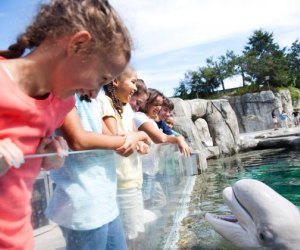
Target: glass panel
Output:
{"points": [[166, 190], [39, 204]]}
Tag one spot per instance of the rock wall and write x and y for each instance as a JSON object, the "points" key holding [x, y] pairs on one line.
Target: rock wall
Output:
{"points": [[212, 127], [253, 110], [209, 126], [223, 126]]}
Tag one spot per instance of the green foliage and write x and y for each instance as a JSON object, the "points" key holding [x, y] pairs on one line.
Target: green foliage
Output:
{"points": [[253, 88], [293, 58], [262, 65], [265, 61], [197, 84], [215, 95], [237, 91], [293, 91], [181, 91]]}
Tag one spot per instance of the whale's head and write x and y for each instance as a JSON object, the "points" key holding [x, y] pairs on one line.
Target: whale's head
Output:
{"points": [[262, 218]]}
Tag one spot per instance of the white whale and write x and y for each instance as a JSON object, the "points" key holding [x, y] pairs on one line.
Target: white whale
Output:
{"points": [[264, 219]]}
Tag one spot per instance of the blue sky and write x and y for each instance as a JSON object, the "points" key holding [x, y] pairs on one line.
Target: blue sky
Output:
{"points": [[173, 36]]}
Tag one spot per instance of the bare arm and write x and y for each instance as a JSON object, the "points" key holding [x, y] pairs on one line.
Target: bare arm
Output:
{"points": [[144, 137], [158, 136], [111, 124], [79, 139], [105, 130]]}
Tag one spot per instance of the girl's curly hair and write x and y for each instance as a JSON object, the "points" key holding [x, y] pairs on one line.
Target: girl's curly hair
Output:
{"points": [[66, 17], [109, 90]]}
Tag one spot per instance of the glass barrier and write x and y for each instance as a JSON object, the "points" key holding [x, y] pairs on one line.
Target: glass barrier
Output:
{"points": [[168, 179]]}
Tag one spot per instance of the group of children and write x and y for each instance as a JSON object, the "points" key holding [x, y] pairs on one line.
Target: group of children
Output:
{"points": [[87, 209], [49, 103]]}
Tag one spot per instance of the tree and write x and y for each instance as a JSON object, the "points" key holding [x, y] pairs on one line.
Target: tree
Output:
{"points": [[265, 61], [293, 58], [262, 62], [223, 68], [196, 84], [238, 65], [181, 91], [209, 80]]}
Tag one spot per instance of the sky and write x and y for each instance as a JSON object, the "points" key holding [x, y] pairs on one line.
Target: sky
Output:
{"points": [[173, 36]]}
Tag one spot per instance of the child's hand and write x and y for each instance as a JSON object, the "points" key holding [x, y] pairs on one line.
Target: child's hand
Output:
{"points": [[50, 145], [144, 137], [130, 144], [142, 147], [10, 155], [183, 147]]}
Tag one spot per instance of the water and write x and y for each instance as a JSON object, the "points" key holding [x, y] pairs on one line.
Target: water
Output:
{"points": [[280, 169]]}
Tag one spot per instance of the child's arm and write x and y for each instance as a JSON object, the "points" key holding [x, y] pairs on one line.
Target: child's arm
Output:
{"points": [[159, 137], [183, 147], [80, 139], [105, 130], [111, 124], [142, 147], [142, 135], [145, 141]]}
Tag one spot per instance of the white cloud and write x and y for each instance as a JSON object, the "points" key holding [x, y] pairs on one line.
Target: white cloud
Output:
{"points": [[166, 80], [166, 31], [173, 36], [160, 26]]}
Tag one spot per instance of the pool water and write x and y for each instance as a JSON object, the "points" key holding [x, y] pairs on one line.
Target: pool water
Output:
{"points": [[279, 168]]}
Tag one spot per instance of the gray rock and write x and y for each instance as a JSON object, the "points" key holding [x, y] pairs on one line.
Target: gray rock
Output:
{"points": [[203, 132], [206, 123], [281, 142], [181, 108], [198, 107], [188, 130], [223, 126], [253, 110]]}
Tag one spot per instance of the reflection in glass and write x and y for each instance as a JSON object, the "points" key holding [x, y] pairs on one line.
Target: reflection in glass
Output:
{"points": [[165, 189]]}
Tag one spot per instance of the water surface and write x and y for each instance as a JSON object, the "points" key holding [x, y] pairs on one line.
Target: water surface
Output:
{"points": [[280, 169]]}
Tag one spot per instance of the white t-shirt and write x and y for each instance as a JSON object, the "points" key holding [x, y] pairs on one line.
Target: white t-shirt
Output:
{"points": [[140, 118], [150, 160]]}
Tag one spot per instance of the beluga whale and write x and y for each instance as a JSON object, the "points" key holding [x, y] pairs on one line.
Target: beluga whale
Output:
{"points": [[263, 219]]}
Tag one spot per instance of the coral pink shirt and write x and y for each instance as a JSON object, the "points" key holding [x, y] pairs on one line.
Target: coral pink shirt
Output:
{"points": [[25, 121]]}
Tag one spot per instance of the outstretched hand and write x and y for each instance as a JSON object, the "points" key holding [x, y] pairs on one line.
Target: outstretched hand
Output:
{"points": [[184, 147]]}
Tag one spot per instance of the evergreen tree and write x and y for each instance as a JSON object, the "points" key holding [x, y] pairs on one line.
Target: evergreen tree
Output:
{"points": [[265, 61], [293, 58]]}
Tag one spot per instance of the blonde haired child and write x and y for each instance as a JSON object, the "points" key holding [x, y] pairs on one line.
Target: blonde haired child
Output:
{"points": [[118, 117], [73, 45]]}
